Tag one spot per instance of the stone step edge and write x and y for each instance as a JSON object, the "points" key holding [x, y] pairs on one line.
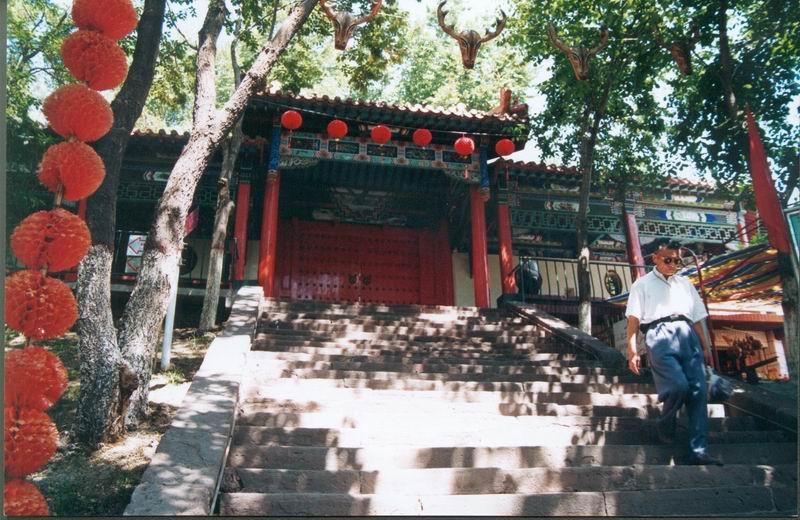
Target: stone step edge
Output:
{"points": [[366, 482], [608, 503]]}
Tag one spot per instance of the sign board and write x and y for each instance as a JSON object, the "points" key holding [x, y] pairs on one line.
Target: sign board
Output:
{"points": [[136, 245]]}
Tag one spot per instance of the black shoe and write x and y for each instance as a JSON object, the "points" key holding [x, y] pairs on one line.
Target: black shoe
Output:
{"points": [[703, 459], [666, 431]]}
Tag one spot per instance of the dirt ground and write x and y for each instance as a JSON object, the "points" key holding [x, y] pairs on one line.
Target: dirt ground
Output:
{"points": [[80, 483]]}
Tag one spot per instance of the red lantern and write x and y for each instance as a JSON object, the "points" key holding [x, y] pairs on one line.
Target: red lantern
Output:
{"points": [[34, 378], [55, 239], [76, 110], [422, 137], [464, 146], [21, 498], [291, 120], [30, 439], [504, 147], [381, 134], [114, 18], [95, 59], [337, 129], [73, 165], [39, 306]]}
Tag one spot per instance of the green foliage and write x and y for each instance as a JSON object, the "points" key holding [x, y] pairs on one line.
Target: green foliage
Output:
{"points": [[433, 74], [764, 37], [620, 92], [36, 29]]}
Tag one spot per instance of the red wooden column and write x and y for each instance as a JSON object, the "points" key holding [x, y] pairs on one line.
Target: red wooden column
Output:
{"points": [[506, 252], [480, 263], [240, 227], [268, 246], [632, 244]]}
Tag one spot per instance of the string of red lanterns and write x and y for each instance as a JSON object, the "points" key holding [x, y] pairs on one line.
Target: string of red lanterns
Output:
{"points": [[37, 305], [381, 134]]}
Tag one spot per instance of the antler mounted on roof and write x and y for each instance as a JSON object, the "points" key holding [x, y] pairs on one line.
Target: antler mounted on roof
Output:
{"points": [[469, 41], [578, 56], [681, 50], [345, 23]]}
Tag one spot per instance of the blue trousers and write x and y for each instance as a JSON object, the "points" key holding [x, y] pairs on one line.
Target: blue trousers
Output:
{"points": [[676, 357]]}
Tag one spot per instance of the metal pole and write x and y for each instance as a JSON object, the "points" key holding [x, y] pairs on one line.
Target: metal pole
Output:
{"points": [[169, 322], [714, 356]]}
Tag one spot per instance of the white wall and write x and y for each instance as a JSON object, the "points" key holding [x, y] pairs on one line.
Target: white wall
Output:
{"points": [[463, 284]]}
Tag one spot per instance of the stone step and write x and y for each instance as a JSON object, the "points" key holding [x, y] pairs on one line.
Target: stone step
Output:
{"points": [[459, 434], [438, 319], [419, 336], [448, 358], [264, 342], [305, 368], [282, 400], [677, 502], [413, 352], [384, 458], [356, 417], [271, 305], [473, 481], [455, 383], [354, 378], [409, 324], [309, 389]]}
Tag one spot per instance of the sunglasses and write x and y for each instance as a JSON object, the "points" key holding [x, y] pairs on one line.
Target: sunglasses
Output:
{"points": [[669, 261]]}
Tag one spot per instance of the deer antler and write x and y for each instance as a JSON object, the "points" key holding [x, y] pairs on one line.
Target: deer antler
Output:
{"points": [[500, 24], [440, 14], [551, 33], [602, 43], [330, 13], [376, 6]]}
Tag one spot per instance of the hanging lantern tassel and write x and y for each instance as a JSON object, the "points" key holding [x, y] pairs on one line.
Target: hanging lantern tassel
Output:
{"points": [[381, 134], [504, 147], [337, 129], [422, 137]]}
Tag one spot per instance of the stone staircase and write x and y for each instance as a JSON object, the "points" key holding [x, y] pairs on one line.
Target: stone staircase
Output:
{"points": [[409, 410]]}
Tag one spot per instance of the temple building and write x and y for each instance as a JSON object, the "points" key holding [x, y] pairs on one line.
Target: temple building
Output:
{"points": [[351, 219]]}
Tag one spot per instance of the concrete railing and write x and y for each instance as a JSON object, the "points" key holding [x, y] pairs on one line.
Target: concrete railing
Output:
{"points": [[184, 474]]}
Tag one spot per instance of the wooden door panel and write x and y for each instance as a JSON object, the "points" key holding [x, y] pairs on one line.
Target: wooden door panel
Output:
{"points": [[371, 264]]}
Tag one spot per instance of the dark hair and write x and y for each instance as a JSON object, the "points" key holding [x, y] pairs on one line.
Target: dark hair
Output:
{"points": [[666, 243]]}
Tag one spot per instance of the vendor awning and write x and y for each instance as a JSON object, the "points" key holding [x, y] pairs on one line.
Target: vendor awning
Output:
{"points": [[748, 274]]}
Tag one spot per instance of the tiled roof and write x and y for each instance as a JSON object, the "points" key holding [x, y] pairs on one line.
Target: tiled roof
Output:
{"points": [[539, 167], [671, 182], [457, 112]]}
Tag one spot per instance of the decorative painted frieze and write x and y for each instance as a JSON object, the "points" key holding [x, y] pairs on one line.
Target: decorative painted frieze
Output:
{"points": [[396, 153]]}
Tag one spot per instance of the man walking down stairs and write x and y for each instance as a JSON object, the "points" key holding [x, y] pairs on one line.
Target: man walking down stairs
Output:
{"points": [[408, 410]]}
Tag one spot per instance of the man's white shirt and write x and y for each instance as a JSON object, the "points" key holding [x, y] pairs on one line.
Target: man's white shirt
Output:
{"points": [[653, 297]]}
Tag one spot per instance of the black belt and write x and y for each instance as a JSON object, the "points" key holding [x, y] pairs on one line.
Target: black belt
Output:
{"points": [[644, 327]]}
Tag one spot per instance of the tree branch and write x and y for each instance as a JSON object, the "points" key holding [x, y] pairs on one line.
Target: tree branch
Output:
{"points": [[205, 75]]}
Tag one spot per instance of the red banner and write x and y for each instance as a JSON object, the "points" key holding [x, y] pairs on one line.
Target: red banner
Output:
{"points": [[767, 202]]}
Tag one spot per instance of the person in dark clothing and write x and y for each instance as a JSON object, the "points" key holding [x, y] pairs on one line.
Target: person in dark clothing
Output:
{"points": [[527, 276]]}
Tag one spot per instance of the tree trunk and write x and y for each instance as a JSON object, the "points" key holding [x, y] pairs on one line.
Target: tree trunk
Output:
{"points": [[224, 207], [147, 305], [216, 256], [726, 62], [791, 317], [588, 142], [100, 397]]}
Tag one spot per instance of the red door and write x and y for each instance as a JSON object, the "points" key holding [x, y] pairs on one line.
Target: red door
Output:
{"points": [[370, 264]]}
